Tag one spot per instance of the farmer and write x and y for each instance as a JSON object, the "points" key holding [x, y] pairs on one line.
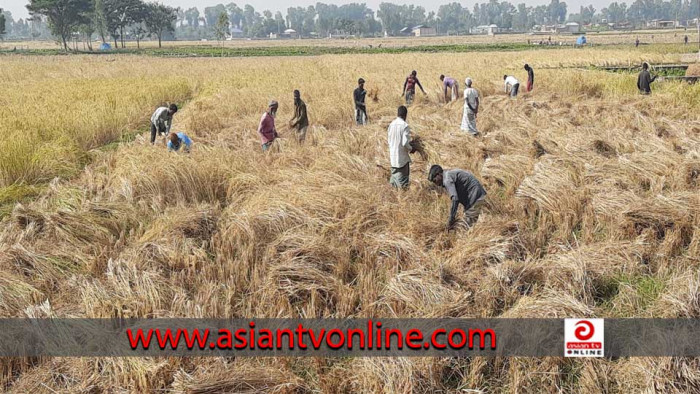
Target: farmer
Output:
{"points": [[161, 121], [645, 79], [685, 40], [471, 108], [266, 129], [463, 188], [359, 96], [399, 138], [450, 84], [511, 83], [176, 140], [409, 87], [530, 77], [300, 122], [636, 42]]}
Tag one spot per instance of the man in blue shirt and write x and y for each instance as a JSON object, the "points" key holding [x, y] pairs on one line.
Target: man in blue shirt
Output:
{"points": [[176, 140]]}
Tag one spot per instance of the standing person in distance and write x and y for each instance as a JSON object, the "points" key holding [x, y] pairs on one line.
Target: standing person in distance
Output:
{"points": [[266, 129], [530, 77], [471, 108], [359, 96], [399, 139], [645, 79], [300, 122], [161, 121], [409, 87]]}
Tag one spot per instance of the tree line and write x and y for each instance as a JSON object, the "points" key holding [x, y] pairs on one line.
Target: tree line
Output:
{"points": [[108, 19], [118, 20]]}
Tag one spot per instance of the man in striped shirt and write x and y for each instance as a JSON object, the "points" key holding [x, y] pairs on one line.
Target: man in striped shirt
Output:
{"points": [[161, 121]]}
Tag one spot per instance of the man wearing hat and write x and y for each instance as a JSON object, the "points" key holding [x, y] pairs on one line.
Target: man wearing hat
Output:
{"points": [[463, 188], [360, 109], [266, 129], [471, 108], [300, 122]]}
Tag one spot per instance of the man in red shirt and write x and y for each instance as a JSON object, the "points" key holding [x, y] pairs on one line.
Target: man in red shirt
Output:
{"points": [[266, 129]]}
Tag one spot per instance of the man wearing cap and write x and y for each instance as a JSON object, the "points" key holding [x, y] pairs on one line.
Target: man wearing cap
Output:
{"points": [[463, 188], [409, 87], [359, 96], [399, 138], [266, 129], [449, 84], [471, 108], [300, 122]]}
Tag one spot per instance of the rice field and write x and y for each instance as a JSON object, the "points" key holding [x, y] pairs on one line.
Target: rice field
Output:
{"points": [[593, 211]]}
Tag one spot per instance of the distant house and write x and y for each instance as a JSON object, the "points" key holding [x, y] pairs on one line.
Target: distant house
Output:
{"points": [[662, 24], [423, 31], [236, 32], [290, 33], [492, 30], [481, 29], [572, 27]]}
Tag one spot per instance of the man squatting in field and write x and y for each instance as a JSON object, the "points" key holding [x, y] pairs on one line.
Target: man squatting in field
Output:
{"points": [[300, 122], [512, 83], [399, 138], [645, 79], [176, 141], [161, 121], [409, 87], [359, 96], [530, 78], [449, 83], [266, 129], [471, 108], [463, 188]]}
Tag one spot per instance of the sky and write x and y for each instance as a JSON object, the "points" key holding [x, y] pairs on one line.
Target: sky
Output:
{"points": [[17, 7]]}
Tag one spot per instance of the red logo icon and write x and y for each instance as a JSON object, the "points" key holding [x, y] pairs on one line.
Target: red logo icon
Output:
{"points": [[584, 330]]}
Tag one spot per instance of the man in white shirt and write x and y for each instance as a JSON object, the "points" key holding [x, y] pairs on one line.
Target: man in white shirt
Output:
{"points": [[471, 108], [399, 138], [512, 83]]}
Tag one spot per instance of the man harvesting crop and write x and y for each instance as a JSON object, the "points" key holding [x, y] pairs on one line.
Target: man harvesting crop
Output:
{"points": [[471, 108], [530, 77], [176, 141], [463, 188], [409, 87], [645, 79], [359, 96], [161, 121], [449, 84], [512, 85], [399, 138], [300, 122], [266, 129]]}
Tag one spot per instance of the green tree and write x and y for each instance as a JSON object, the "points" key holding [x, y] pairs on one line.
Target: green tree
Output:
{"points": [[64, 16], [221, 29], [119, 14], [160, 19], [2, 24]]}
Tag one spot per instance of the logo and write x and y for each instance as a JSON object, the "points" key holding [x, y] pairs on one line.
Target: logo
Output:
{"points": [[584, 337]]}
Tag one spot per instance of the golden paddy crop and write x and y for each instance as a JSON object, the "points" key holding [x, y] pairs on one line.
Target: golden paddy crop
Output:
{"points": [[592, 211]]}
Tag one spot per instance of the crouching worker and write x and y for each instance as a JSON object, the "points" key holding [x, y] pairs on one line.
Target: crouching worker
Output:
{"points": [[176, 140], [463, 188], [161, 121]]}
